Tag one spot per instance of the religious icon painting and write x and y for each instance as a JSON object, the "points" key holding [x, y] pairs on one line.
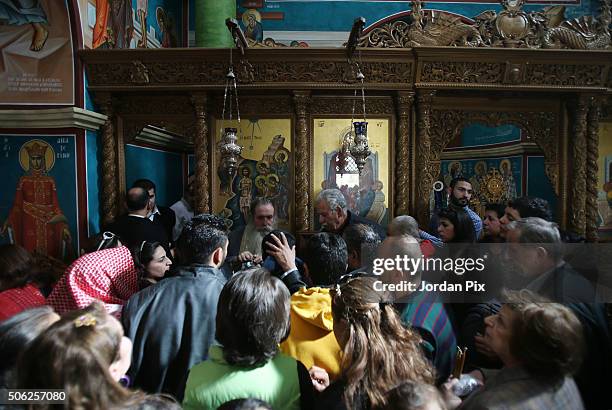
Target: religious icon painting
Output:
{"points": [[264, 170], [604, 183], [36, 47], [366, 192], [42, 214]]}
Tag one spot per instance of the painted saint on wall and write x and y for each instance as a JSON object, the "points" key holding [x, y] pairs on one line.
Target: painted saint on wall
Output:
{"points": [[36, 220], [332, 168], [264, 171], [36, 48], [253, 30], [114, 26]]}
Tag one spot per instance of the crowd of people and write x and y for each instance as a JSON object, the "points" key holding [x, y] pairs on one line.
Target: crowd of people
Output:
{"points": [[169, 310]]}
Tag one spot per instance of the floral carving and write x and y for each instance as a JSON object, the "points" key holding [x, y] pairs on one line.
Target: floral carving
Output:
{"points": [[565, 74], [512, 27], [462, 72]]}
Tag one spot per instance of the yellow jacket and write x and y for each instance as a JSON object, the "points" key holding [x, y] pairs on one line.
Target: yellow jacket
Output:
{"points": [[312, 339]]}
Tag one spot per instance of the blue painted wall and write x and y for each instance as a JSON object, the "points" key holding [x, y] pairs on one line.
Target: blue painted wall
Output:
{"points": [[174, 10], [165, 169], [476, 135], [538, 183], [93, 158], [339, 15]]}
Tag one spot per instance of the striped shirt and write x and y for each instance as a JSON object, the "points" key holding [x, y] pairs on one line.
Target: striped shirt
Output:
{"points": [[425, 313]]}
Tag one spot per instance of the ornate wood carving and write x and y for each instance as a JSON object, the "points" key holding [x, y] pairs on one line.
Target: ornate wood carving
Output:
{"points": [[462, 72], [539, 127], [256, 105], [109, 162], [201, 154], [553, 75], [579, 157], [336, 105], [591, 170], [426, 169], [431, 28], [565, 74], [213, 72], [404, 103], [512, 27], [301, 103]]}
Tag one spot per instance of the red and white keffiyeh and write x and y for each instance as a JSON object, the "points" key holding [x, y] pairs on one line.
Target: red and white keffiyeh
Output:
{"points": [[109, 276]]}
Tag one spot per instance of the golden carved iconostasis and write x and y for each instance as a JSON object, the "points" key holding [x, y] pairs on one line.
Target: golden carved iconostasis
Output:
{"points": [[418, 92]]}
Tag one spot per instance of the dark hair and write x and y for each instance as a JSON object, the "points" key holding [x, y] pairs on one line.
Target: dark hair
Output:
{"points": [[245, 404], [362, 239], [143, 254], [213, 221], [16, 333], [532, 206], [268, 239], [462, 223], [326, 256], [459, 179], [499, 209], [145, 184], [61, 356], [379, 350], [252, 317], [197, 243], [260, 201], [546, 337], [17, 267], [136, 199], [411, 395]]}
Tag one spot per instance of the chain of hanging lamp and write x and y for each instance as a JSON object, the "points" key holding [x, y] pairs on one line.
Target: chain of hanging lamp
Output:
{"points": [[358, 148], [228, 147]]}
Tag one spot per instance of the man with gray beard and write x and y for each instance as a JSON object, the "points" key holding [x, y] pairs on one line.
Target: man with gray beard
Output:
{"points": [[245, 242]]}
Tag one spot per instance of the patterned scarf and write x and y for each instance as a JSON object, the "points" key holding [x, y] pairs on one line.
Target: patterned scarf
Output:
{"points": [[108, 275]]}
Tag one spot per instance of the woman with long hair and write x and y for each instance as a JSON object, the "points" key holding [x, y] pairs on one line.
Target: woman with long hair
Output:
{"points": [[455, 226], [85, 354], [152, 262], [19, 289], [378, 352]]}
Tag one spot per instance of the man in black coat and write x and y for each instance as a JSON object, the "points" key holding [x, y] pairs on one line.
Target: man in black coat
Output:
{"points": [[172, 323], [134, 227], [162, 215]]}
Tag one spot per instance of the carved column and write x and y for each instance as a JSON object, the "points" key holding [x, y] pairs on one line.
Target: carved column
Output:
{"points": [[404, 103], [426, 174], [109, 162], [579, 157], [200, 141], [592, 149], [301, 101]]}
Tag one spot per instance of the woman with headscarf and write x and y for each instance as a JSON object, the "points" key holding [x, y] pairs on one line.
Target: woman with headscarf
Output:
{"points": [[108, 275]]}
